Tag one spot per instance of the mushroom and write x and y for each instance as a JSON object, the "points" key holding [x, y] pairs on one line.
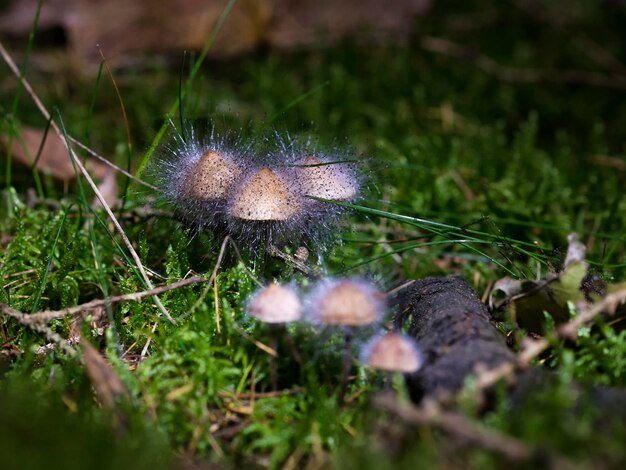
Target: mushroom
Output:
{"points": [[277, 305], [211, 177], [393, 352], [265, 197], [349, 303], [326, 180]]}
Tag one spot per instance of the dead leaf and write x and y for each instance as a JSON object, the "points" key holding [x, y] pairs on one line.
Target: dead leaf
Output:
{"points": [[54, 159], [156, 25], [576, 251], [527, 300], [108, 189]]}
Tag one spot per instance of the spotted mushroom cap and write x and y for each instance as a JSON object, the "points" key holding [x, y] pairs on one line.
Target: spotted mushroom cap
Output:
{"points": [[265, 197], [326, 180], [211, 177]]}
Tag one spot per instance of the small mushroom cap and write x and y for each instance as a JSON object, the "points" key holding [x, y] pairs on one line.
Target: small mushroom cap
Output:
{"points": [[393, 351], [265, 197], [347, 302], [211, 177], [330, 181], [275, 304]]}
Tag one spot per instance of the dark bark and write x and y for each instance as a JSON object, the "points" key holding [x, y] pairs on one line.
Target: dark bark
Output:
{"points": [[453, 329]]}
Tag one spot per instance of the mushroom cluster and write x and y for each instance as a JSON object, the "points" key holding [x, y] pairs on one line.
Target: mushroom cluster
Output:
{"points": [[345, 304], [281, 194]]}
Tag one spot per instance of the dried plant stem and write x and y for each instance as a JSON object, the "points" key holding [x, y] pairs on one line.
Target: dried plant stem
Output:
{"points": [[107, 162], [533, 348], [39, 318], [458, 425], [310, 271], [220, 258], [42, 109], [569, 330]]}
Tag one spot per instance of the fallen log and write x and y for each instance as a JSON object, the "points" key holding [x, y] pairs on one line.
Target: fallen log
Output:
{"points": [[452, 327]]}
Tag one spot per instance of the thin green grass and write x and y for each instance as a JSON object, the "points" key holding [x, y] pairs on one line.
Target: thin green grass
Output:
{"points": [[18, 92], [194, 71]]}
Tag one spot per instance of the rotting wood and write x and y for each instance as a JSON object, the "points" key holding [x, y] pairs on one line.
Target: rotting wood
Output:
{"points": [[453, 329], [451, 325]]}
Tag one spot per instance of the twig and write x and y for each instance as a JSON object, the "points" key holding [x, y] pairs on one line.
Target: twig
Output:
{"points": [[569, 330], [296, 263], [104, 160], [42, 109], [608, 304], [458, 425], [33, 319], [253, 395], [144, 351], [533, 348]]}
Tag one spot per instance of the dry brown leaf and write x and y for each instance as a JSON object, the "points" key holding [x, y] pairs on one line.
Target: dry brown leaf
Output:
{"points": [[107, 384], [108, 189], [156, 25], [54, 160]]}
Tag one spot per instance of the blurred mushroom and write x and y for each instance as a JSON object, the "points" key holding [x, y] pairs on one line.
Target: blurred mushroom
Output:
{"points": [[394, 352], [276, 305], [348, 303]]}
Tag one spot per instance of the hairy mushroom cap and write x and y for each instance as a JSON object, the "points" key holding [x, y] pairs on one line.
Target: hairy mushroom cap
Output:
{"points": [[275, 304], [212, 177], [265, 197], [350, 302], [392, 351], [326, 180]]}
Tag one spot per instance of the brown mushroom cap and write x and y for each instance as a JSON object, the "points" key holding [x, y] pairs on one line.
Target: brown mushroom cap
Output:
{"points": [[348, 302], [393, 351], [329, 181], [275, 304], [265, 197], [211, 177]]}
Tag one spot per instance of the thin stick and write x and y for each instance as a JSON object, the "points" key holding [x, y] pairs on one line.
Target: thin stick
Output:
{"points": [[144, 351], [42, 109], [457, 425], [309, 271], [533, 348], [569, 329], [104, 160], [216, 302], [48, 315]]}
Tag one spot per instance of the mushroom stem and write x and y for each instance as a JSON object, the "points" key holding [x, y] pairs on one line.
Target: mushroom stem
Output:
{"points": [[346, 362], [273, 367], [292, 347]]}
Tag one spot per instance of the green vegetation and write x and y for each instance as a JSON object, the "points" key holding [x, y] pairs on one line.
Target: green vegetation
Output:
{"points": [[471, 175]]}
